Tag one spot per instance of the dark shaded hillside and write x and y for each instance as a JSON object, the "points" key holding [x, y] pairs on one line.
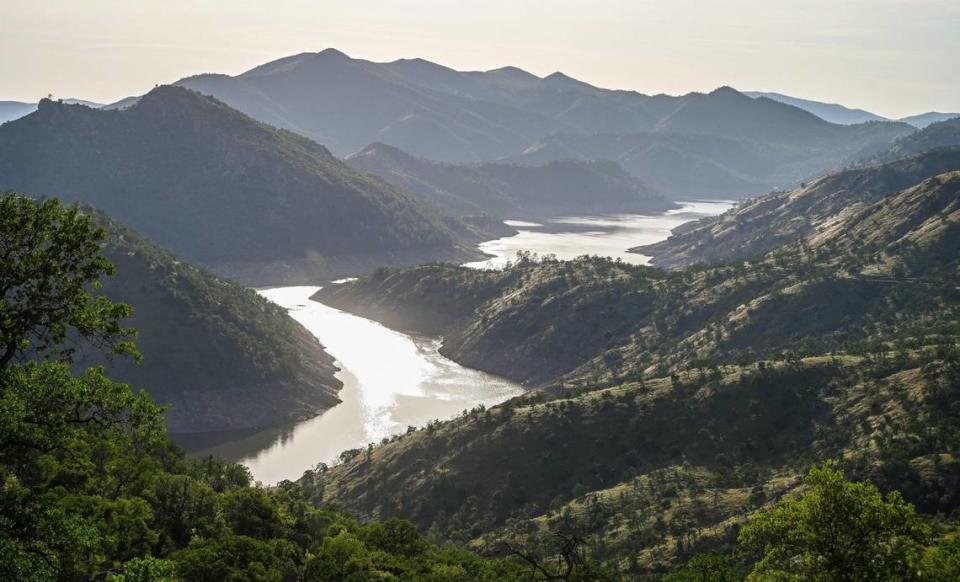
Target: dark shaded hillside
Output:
{"points": [[563, 187], [220, 188], [218, 354], [674, 404], [762, 224]]}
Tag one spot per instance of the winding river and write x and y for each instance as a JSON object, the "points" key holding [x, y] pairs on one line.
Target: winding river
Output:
{"points": [[408, 383]]}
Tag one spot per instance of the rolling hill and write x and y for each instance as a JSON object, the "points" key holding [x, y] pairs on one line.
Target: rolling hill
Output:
{"points": [[221, 189], [556, 188]]}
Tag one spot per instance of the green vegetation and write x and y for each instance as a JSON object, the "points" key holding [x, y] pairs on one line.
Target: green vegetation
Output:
{"points": [[555, 188], [218, 354], [219, 188], [91, 487]]}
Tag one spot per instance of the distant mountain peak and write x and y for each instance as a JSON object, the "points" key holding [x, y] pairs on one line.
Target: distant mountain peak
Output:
{"points": [[563, 80], [727, 91], [515, 73], [333, 53]]}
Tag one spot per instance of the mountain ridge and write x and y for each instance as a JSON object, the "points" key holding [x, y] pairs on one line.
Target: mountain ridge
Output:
{"points": [[222, 189]]}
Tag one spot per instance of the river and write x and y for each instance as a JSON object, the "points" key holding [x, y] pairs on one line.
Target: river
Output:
{"points": [[408, 383]]}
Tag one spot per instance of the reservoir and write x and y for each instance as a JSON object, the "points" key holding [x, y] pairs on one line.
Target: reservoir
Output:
{"points": [[393, 380]]}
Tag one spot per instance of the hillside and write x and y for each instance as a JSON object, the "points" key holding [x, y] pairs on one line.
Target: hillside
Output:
{"points": [[840, 345], [222, 357], [556, 188], [936, 135], [221, 189], [761, 224], [439, 113], [518, 322]]}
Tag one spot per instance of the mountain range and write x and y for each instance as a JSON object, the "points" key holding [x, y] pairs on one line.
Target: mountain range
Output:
{"points": [[721, 143], [223, 190]]}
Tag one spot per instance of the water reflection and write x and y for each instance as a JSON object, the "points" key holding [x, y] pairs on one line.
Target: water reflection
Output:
{"points": [[609, 236], [391, 381]]}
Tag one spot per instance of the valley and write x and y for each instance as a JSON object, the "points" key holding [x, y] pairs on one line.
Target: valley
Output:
{"points": [[499, 292]]}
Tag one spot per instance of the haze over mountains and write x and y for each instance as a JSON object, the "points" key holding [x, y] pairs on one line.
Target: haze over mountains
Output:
{"points": [[717, 144], [760, 225], [720, 143]]}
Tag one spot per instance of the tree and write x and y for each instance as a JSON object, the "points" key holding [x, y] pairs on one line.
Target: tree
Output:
{"points": [[50, 261], [837, 530], [705, 568]]}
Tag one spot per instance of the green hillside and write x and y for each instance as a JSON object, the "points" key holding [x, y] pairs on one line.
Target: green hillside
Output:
{"points": [[219, 355]]}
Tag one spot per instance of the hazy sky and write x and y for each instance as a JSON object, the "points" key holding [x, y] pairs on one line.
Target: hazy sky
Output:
{"points": [[894, 57]]}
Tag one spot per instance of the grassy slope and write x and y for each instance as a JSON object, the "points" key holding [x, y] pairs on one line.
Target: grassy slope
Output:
{"points": [[829, 347]]}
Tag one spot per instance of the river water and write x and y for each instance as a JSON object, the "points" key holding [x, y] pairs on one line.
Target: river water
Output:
{"points": [[608, 236], [393, 380]]}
